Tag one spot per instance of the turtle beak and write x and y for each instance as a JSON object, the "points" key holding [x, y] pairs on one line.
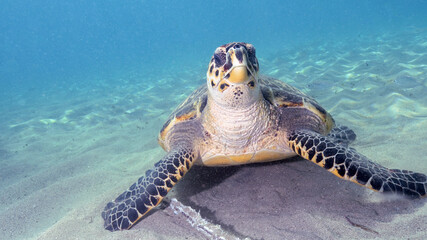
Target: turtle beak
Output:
{"points": [[238, 74]]}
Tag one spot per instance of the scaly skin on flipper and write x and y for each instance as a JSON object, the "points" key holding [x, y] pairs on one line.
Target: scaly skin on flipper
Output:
{"points": [[348, 164], [342, 134], [149, 191]]}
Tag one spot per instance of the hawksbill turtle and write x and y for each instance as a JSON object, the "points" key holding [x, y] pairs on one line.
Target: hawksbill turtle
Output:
{"points": [[241, 117]]}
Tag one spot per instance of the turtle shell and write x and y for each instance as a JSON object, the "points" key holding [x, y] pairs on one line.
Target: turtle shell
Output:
{"points": [[283, 95], [190, 109]]}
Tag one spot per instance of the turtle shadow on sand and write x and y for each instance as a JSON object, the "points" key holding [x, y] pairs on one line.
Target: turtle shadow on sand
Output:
{"points": [[280, 195], [199, 180], [202, 178]]}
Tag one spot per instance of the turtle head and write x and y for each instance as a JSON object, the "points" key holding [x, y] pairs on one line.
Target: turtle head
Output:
{"points": [[232, 75]]}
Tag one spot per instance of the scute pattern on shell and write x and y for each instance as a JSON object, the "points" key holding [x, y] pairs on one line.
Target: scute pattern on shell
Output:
{"points": [[187, 110], [281, 94]]}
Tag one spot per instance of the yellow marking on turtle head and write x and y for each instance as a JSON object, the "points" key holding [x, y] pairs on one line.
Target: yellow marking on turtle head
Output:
{"points": [[223, 85]]}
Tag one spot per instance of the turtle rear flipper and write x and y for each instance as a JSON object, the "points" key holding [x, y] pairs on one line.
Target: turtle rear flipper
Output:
{"points": [[348, 164], [148, 191], [342, 134]]}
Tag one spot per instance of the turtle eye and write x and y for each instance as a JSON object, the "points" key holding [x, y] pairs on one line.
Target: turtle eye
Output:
{"points": [[251, 84]]}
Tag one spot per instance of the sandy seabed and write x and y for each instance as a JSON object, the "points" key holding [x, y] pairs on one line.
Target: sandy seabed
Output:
{"points": [[66, 152]]}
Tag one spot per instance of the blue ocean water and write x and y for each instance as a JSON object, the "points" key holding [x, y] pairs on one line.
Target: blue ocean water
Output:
{"points": [[48, 41], [77, 70]]}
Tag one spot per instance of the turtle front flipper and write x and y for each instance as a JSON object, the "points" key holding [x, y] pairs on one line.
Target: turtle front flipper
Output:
{"points": [[148, 191], [350, 165], [342, 134]]}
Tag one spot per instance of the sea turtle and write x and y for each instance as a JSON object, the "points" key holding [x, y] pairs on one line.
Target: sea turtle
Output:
{"points": [[241, 117]]}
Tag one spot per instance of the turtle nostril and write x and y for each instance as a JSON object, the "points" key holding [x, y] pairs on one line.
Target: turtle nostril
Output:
{"points": [[237, 46]]}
